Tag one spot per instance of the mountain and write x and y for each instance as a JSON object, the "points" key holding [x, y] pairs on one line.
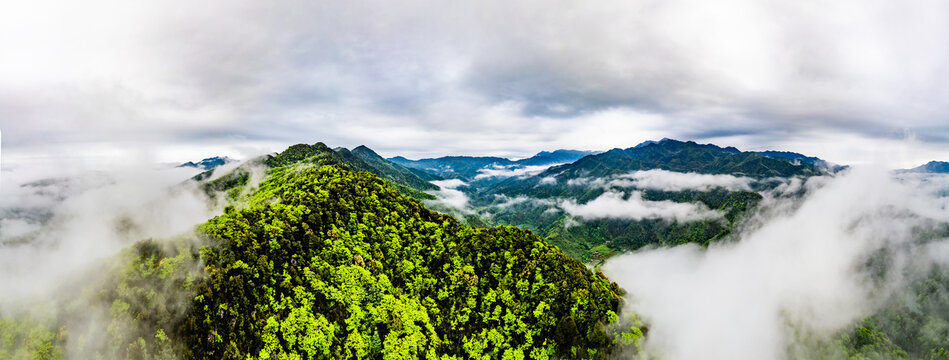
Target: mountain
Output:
{"points": [[538, 202], [674, 155], [555, 157], [792, 156], [803, 159], [469, 167], [391, 169], [300, 156], [208, 163], [932, 167], [390, 277], [650, 142], [329, 263]]}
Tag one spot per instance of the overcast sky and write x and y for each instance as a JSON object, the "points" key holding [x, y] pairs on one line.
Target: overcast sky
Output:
{"points": [[850, 81]]}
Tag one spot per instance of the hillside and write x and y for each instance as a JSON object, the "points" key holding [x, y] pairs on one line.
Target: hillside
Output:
{"points": [[674, 155], [329, 263]]}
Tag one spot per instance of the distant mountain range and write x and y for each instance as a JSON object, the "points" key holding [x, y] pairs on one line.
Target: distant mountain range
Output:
{"points": [[932, 167], [208, 163], [469, 167], [682, 156], [541, 183]]}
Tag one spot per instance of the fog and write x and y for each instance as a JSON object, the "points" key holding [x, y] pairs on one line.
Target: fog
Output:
{"points": [[664, 180], [61, 230], [613, 204], [512, 171], [797, 269], [449, 196]]}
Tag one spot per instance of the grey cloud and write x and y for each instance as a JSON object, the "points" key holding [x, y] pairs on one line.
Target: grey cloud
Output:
{"points": [[795, 275], [473, 77], [67, 225]]}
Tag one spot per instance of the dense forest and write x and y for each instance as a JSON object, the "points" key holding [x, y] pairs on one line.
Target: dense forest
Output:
{"points": [[327, 263]]}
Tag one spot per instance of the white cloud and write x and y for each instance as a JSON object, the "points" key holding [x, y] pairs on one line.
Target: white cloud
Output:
{"points": [[521, 199], [657, 179], [547, 180], [799, 268], [677, 181], [512, 171], [612, 205], [448, 195], [54, 230]]}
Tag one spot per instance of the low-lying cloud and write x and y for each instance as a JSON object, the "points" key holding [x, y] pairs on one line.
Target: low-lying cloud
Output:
{"points": [[801, 270], [664, 180], [498, 171], [657, 179], [507, 201], [52, 229], [612, 204], [449, 196]]}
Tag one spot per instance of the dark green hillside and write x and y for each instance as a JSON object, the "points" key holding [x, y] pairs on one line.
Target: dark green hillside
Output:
{"points": [[681, 156], [392, 170], [596, 239]]}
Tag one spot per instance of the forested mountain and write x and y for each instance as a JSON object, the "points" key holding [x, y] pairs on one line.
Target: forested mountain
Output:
{"points": [[323, 262], [674, 155], [327, 253], [540, 201], [804, 159], [793, 156]]}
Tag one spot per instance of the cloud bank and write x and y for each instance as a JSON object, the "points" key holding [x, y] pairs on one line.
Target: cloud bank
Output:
{"points": [[801, 271], [613, 205], [511, 171], [664, 180], [449, 196], [53, 230]]}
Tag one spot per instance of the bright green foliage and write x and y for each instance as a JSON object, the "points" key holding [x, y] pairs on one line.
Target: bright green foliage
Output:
{"points": [[134, 313], [328, 263], [912, 329], [25, 338], [148, 296]]}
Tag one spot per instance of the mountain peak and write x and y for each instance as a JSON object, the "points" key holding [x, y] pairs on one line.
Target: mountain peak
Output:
{"points": [[650, 142], [208, 163], [932, 167]]}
